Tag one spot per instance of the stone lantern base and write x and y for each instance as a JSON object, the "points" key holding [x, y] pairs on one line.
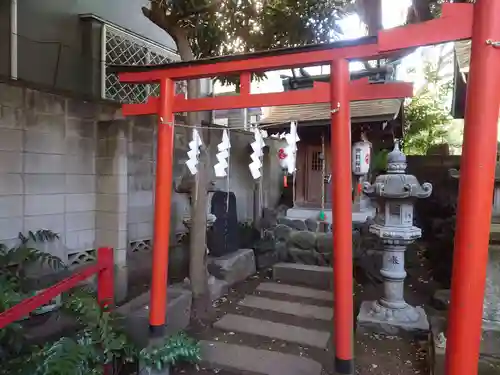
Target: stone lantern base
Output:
{"points": [[374, 317]]}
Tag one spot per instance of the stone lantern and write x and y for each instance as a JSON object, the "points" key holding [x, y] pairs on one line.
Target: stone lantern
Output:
{"points": [[394, 193]]}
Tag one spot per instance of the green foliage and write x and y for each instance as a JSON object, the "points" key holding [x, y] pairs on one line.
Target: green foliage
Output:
{"points": [[379, 162], [102, 340], [13, 264], [427, 114], [15, 260], [209, 28], [179, 348]]}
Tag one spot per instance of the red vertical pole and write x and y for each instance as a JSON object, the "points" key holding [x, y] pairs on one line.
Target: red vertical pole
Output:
{"points": [[105, 286], [105, 277], [475, 193], [163, 196], [342, 216]]}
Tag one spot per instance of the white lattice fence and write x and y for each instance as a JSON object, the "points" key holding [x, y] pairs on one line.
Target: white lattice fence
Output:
{"points": [[122, 48]]}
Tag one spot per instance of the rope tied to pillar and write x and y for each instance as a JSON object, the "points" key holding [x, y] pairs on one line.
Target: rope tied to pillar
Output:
{"points": [[335, 110], [493, 43]]}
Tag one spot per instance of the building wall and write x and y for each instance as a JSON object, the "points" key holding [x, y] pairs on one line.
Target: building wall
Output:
{"points": [[47, 167], [79, 169], [4, 38], [51, 44]]}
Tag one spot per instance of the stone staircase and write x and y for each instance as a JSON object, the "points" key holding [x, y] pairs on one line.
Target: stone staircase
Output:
{"points": [[276, 329]]}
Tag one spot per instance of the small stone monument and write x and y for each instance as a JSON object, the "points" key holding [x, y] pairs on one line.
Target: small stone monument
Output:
{"points": [[491, 305], [394, 193]]}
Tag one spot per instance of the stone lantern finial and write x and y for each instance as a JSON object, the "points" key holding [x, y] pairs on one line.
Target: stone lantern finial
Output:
{"points": [[396, 160]]}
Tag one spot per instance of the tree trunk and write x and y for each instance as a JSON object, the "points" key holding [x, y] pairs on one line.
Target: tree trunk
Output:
{"points": [[202, 304]]}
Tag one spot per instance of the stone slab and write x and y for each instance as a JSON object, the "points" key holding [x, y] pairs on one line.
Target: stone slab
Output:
{"points": [[234, 267], [313, 276], [290, 308], [366, 322], [266, 260], [243, 358], [218, 288], [136, 314], [296, 291], [285, 332], [490, 335], [487, 365], [311, 213]]}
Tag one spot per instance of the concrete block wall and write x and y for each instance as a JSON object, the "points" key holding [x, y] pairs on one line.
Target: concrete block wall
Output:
{"points": [[240, 180], [74, 168], [112, 186], [47, 168], [141, 181]]}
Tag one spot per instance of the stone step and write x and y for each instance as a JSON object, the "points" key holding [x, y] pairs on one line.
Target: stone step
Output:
{"points": [[285, 332], [313, 276], [296, 291], [290, 308], [257, 361]]}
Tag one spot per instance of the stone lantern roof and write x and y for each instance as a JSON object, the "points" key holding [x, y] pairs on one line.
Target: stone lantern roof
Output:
{"points": [[396, 184]]}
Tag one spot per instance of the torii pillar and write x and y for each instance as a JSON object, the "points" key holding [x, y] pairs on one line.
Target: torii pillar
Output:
{"points": [[475, 193]]}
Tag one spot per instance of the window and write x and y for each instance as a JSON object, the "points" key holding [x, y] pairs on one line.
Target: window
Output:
{"points": [[317, 161]]}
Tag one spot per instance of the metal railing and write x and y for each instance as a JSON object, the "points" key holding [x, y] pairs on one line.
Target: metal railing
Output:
{"points": [[104, 268]]}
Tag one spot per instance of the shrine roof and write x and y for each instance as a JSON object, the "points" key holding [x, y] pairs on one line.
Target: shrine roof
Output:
{"points": [[254, 55], [462, 53], [361, 111]]}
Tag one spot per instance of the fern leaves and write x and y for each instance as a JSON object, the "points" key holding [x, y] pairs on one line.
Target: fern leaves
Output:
{"points": [[102, 340]]}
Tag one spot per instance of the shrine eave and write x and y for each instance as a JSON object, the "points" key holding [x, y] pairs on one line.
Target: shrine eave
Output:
{"points": [[454, 24]]}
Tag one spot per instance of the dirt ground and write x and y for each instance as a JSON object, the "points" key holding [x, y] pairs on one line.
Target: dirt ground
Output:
{"points": [[374, 353]]}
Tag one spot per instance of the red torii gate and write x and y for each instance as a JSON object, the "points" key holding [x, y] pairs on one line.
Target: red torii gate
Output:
{"points": [[458, 22]]}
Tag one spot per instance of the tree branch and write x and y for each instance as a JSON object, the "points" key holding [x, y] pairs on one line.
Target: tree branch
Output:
{"points": [[200, 9], [158, 15]]}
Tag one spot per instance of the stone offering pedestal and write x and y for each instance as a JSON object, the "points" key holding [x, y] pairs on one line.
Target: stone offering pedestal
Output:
{"points": [[136, 314], [377, 318]]}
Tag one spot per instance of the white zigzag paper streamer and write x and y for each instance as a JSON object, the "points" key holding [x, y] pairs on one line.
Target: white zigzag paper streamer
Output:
{"points": [[194, 152], [223, 155], [291, 149], [257, 146]]}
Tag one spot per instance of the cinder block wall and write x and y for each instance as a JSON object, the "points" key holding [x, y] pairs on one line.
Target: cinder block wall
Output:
{"points": [[78, 169], [47, 168]]}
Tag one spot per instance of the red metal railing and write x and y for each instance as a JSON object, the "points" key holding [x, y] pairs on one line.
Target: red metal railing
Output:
{"points": [[105, 288]]}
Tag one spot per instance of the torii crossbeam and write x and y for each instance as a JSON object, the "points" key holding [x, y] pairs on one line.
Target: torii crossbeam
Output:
{"points": [[457, 22]]}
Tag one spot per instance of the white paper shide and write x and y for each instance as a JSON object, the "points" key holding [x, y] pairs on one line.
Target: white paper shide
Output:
{"points": [[223, 155], [194, 152], [257, 146]]}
